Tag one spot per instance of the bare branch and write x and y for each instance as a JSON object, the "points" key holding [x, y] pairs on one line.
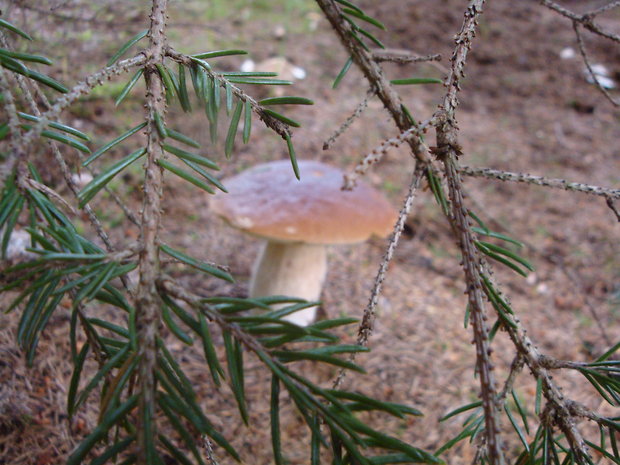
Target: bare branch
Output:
{"points": [[610, 204], [448, 150], [515, 368], [367, 324], [603, 9], [538, 365], [470, 261], [555, 183], [51, 193], [131, 216], [208, 447], [80, 89], [377, 153], [349, 121], [584, 55], [579, 410], [402, 56], [585, 20], [551, 391]]}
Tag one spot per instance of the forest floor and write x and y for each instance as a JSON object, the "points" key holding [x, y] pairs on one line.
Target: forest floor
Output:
{"points": [[523, 108]]}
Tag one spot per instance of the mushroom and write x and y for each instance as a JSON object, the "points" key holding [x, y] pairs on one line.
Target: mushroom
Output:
{"points": [[299, 219]]}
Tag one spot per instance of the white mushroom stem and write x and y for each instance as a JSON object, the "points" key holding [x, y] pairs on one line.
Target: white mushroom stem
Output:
{"points": [[293, 269]]}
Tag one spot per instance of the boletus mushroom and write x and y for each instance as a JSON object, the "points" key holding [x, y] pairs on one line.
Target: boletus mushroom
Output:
{"points": [[298, 219]]}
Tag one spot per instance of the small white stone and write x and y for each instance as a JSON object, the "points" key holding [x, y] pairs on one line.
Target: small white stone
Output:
{"points": [[298, 73], [542, 289], [247, 66], [599, 69], [279, 31], [18, 242], [81, 179], [601, 73], [567, 53]]}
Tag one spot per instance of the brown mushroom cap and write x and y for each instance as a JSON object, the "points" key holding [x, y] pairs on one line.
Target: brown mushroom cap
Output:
{"points": [[268, 201]]}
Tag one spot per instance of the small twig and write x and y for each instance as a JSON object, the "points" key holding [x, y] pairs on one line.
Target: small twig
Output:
{"points": [[80, 89], [540, 181], [584, 55], [585, 20], [168, 286], [113, 22], [603, 9], [208, 447], [610, 204], [577, 281], [408, 56], [515, 368], [51, 193], [377, 153], [579, 410], [131, 216], [559, 264], [402, 56], [50, 12], [213, 264], [367, 324], [358, 111]]}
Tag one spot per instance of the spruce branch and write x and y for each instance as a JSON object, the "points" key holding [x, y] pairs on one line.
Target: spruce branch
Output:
{"points": [[540, 366], [552, 392], [148, 308], [448, 150], [313, 402], [11, 109], [474, 290], [374, 74], [60, 159], [272, 123]]}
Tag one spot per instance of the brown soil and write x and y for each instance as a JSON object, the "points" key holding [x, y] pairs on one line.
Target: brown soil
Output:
{"points": [[522, 109]]}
